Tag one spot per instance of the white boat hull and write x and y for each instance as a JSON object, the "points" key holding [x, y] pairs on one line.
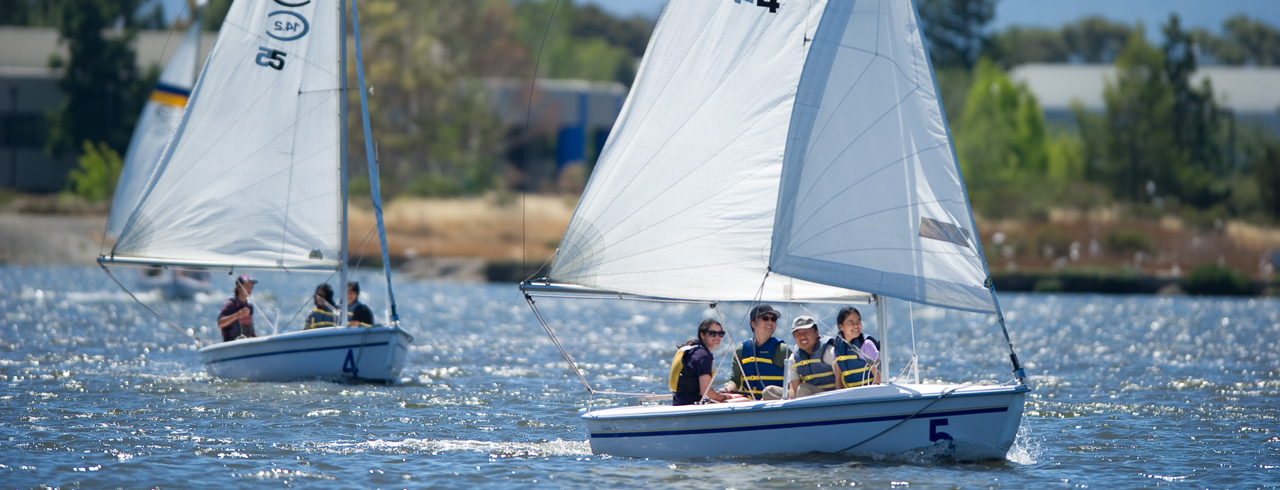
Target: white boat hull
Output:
{"points": [[961, 421], [339, 353]]}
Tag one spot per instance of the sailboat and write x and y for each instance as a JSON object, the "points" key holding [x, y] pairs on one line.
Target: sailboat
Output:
{"points": [[254, 177], [157, 122], [787, 151]]}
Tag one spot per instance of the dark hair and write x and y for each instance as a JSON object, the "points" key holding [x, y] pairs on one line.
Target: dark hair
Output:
{"points": [[354, 286], [844, 313], [703, 327], [326, 292]]}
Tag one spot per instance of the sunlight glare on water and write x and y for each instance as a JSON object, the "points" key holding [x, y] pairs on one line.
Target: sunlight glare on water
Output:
{"points": [[1129, 391]]}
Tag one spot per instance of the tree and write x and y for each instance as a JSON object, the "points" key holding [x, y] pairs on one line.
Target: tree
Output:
{"points": [[956, 30], [1199, 125], [1003, 138], [1017, 45], [1259, 41], [436, 132], [1139, 144], [95, 179], [1095, 40], [103, 88], [568, 47], [214, 13]]}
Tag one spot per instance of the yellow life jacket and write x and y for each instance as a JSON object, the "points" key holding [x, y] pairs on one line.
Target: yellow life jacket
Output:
{"points": [[677, 366]]}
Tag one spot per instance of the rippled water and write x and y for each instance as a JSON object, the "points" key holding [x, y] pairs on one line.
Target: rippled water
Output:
{"points": [[1131, 391]]}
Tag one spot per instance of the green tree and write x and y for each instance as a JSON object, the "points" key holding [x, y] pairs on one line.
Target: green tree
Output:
{"points": [[1003, 137], [214, 13], [956, 30], [1199, 125], [574, 48], [1095, 39], [95, 179], [1018, 45], [436, 132], [1266, 172], [1139, 143], [1259, 41], [104, 90]]}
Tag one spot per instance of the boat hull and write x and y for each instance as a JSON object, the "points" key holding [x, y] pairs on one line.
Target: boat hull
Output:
{"points": [[960, 421], [338, 353]]}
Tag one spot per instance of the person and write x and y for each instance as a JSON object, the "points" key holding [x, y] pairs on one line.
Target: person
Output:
{"points": [[359, 315], [812, 363], [758, 362], [322, 315], [856, 354], [236, 318], [691, 382]]}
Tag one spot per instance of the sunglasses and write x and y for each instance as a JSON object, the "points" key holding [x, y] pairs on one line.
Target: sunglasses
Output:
{"points": [[768, 318], [714, 333]]}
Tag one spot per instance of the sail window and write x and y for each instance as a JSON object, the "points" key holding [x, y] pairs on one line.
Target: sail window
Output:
{"points": [[947, 232]]}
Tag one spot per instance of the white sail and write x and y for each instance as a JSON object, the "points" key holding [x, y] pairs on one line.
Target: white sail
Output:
{"points": [[160, 117], [681, 202], [251, 177], [871, 195]]}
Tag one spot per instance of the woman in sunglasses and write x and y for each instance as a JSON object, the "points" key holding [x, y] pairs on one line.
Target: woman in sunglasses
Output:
{"points": [[691, 370]]}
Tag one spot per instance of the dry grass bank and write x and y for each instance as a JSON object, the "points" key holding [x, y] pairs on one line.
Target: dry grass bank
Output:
{"points": [[485, 227]]}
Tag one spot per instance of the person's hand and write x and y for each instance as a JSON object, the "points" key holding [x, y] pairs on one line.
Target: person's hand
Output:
{"points": [[243, 313]]}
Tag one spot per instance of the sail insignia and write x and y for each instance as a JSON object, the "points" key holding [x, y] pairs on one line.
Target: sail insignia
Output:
{"points": [[947, 232]]}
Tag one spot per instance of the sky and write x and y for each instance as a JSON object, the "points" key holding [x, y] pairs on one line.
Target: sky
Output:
{"points": [[1208, 14]]}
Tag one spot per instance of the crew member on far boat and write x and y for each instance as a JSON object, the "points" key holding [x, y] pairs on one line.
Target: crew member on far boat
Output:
{"points": [[758, 363], [813, 361], [236, 318], [360, 314]]}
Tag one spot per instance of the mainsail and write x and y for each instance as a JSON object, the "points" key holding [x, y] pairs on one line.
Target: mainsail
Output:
{"points": [[871, 194], [252, 175], [681, 202], [159, 118]]}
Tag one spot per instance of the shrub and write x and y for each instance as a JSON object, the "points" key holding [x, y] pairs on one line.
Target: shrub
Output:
{"points": [[1217, 280], [1125, 242], [95, 180]]}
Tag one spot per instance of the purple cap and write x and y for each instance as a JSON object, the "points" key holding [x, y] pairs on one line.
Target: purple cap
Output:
{"points": [[246, 279]]}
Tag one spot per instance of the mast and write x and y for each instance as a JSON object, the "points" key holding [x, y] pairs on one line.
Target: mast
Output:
{"points": [[342, 152]]}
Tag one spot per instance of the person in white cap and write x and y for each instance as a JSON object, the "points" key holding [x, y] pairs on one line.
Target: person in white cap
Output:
{"points": [[812, 366], [236, 318]]}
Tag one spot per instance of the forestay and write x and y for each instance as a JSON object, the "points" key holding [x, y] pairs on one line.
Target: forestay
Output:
{"points": [[871, 195], [681, 203], [159, 119], [251, 178]]}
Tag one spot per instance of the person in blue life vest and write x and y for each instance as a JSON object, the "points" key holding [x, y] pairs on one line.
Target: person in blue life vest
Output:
{"points": [[812, 367], [758, 362], [359, 315], [856, 354], [322, 315], [691, 370], [236, 318]]}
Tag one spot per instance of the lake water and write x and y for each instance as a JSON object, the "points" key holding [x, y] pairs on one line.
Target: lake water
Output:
{"points": [[1130, 392]]}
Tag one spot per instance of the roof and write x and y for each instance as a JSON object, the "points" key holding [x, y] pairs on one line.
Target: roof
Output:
{"points": [[29, 48], [1241, 89]]}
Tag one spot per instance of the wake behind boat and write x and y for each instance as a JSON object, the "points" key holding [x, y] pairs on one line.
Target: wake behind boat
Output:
{"points": [[255, 177], [788, 152]]}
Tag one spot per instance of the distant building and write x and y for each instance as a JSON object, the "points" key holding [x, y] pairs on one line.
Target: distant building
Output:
{"points": [[1250, 92]]}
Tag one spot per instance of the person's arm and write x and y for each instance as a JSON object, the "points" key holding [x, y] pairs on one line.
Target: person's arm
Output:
{"points": [[793, 375], [704, 387], [735, 378], [227, 320]]}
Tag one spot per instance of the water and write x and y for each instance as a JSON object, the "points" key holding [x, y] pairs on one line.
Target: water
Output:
{"points": [[1131, 392]]}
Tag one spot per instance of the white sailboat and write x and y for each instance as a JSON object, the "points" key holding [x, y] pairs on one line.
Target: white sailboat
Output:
{"points": [[254, 177], [788, 151], [158, 121]]}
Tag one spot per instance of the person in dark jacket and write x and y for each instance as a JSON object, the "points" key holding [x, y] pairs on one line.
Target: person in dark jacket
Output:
{"points": [[236, 318], [359, 314], [693, 380]]}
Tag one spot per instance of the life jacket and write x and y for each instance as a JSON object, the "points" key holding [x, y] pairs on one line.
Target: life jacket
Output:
{"points": [[758, 369], [813, 370], [855, 370], [682, 379], [319, 318]]}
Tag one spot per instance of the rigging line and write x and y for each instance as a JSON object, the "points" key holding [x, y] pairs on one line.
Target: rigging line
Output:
{"points": [[556, 341], [528, 127], [199, 343], [915, 356], [909, 417]]}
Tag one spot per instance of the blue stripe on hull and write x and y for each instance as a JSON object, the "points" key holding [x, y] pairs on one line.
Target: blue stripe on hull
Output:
{"points": [[790, 425], [295, 351]]}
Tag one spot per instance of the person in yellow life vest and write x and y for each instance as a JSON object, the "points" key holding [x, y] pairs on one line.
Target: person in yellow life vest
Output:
{"points": [[322, 315], [856, 354], [812, 367], [691, 370], [758, 362]]}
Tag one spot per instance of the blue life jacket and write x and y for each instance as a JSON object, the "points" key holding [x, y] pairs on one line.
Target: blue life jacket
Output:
{"points": [[758, 369], [318, 318], [855, 370], [813, 370]]}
